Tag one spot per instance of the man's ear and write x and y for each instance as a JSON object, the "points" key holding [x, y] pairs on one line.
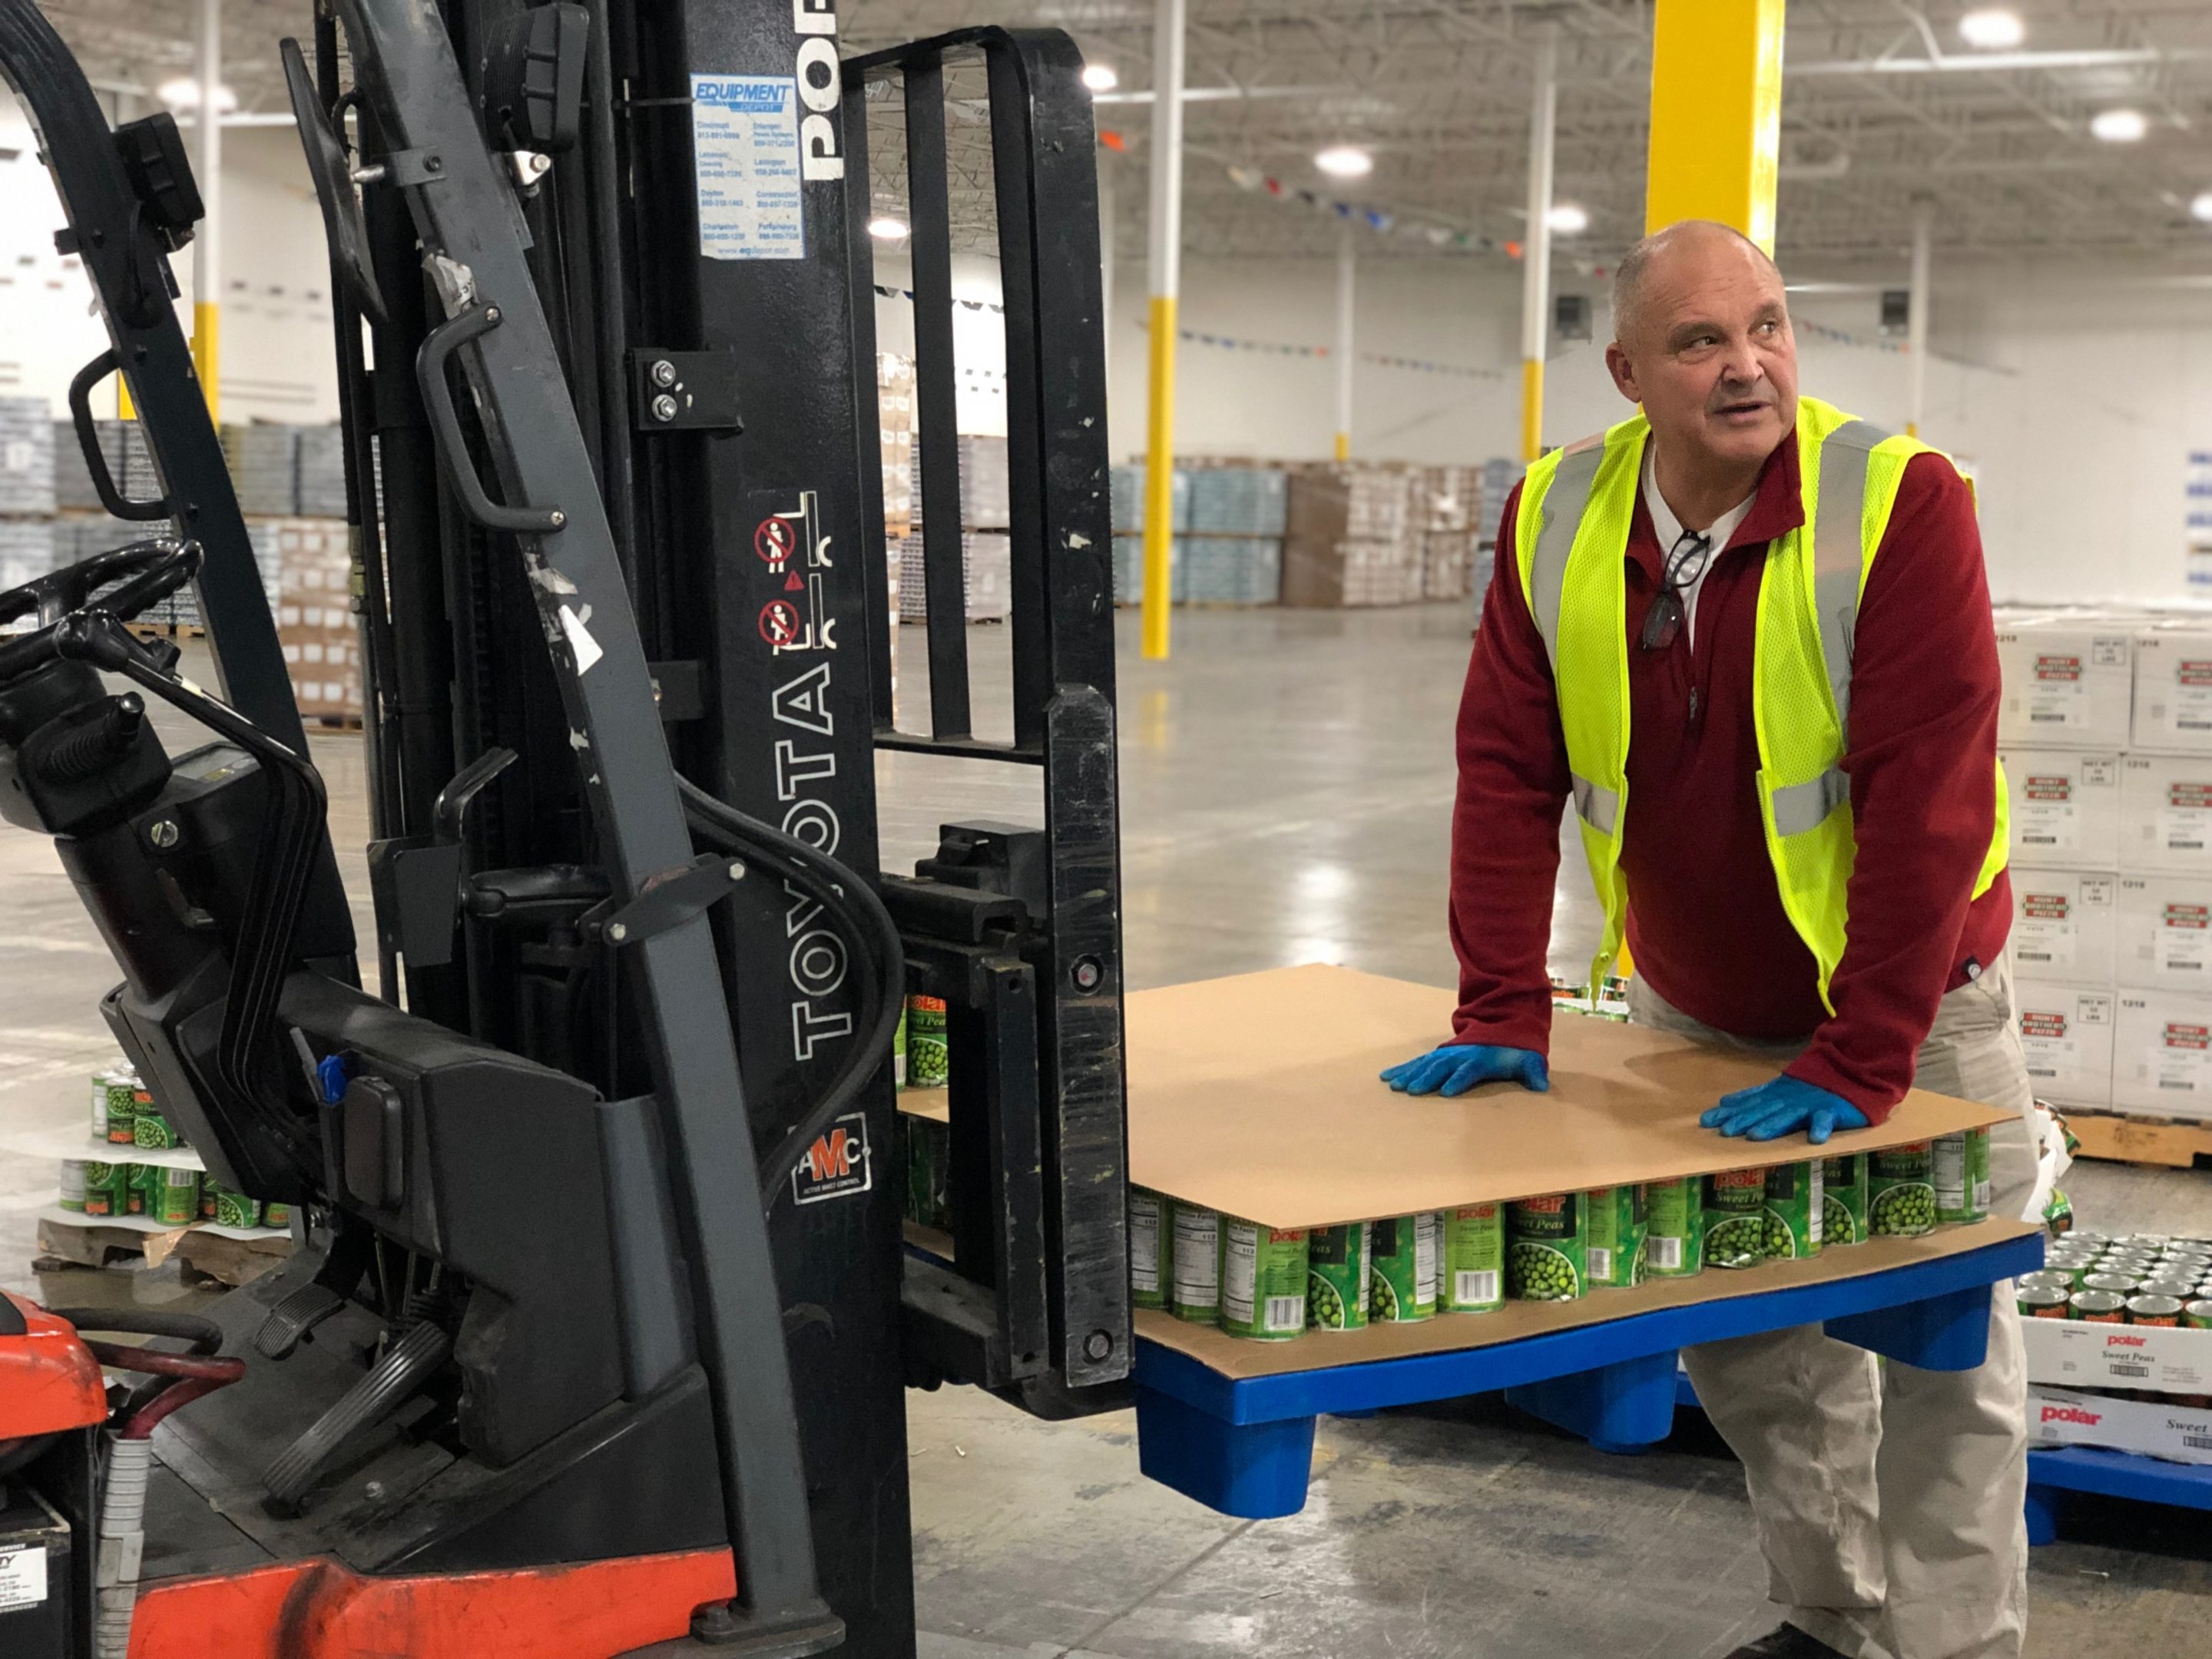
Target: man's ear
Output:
{"points": [[1623, 372]]}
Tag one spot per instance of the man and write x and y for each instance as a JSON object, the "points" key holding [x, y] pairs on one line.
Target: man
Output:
{"points": [[1749, 637]]}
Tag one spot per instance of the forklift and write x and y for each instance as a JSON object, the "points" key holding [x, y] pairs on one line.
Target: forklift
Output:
{"points": [[594, 1337]]}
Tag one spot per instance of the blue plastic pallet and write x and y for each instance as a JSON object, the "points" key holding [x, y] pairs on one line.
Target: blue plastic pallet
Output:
{"points": [[1244, 1446], [2052, 1473]]}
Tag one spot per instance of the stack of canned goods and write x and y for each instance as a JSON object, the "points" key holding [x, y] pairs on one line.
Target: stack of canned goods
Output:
{"points": [[2141, 1278], [1273, 1284], [125, 1116]]}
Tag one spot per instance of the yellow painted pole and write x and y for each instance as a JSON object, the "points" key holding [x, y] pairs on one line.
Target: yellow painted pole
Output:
{"points": [[207, 243], [1536, 242], [1923, 225], [1346, 272], [1716, 114], [1166, 236]]}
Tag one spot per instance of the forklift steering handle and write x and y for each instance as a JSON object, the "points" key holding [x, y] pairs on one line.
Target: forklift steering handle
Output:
{"points": [[149, 572]]}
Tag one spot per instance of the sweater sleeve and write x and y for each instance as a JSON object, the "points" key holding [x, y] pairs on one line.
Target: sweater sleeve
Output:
{"points": [[1513, 784], [1921, 754]]}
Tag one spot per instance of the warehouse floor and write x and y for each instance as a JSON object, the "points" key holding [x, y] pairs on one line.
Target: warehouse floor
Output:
{"points": [[1287, 780]]}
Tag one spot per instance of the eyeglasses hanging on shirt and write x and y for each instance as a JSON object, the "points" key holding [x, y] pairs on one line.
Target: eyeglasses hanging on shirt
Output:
{"points": [[1685, 563]]}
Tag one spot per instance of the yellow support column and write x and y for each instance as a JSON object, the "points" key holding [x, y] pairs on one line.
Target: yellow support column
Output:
{"points": [[1536, 240], [1716, 114], [205, 323], [1166, 252], [207, 244]]}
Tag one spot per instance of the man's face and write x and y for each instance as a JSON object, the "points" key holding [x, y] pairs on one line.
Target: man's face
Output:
{"points": [[1708, 353]]}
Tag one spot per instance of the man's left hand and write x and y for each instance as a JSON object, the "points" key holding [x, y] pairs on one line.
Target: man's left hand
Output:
{"points": [[1781, 1106]]}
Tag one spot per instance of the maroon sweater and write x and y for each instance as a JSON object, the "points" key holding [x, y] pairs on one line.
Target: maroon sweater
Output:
{"points": [[1705, 922]]}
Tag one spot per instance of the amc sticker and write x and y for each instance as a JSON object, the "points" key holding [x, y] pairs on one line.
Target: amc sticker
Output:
{"points": [[22, 1577], [836, 1164]]}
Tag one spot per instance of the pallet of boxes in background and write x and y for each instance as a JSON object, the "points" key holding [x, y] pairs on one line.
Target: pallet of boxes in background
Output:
{"points": [[1348, 544], [315, 623], [2106, 731]]}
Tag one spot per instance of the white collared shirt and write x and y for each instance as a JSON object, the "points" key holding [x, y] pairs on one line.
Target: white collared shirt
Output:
{"points": [[1669, 529]]}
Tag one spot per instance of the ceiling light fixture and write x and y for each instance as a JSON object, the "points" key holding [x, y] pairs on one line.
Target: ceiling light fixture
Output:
{"points": [[2199, 206], [1992, 29], [183, 92], [2118, 126], [1343, 161], [1568, 219], [1100, 77], [885, 228]]}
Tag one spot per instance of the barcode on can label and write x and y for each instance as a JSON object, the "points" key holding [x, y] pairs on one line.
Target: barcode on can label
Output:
{"points": [[1666, 1252], [1600, 1264], [1474, 1287], [2127, 1370], [1286, 1313]]}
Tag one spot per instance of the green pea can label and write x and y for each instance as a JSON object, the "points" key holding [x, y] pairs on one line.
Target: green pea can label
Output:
{"points": [[1404, 1256], [1674, 1218], [929, 1061], [2042, 1301], [274, 1214], [1843, 1201], [1619, 1227], [2197, 1316], [1151, 1256], [1474, 1259], [173, 1200], [1962, 1178], [898, 1052], [1546, 1248], [1901, 1191], [1194, 1293], [1793, 1211], [119, 1116], [141, 1181], [1336, 1278], [236, 1210], [152, 1131], [1735, 1218], [1263, 1280], [106, 1188], [72, 1187], [928, 1171]]}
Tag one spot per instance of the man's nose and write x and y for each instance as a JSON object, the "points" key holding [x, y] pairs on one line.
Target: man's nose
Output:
{"points": [[1740, 364]]}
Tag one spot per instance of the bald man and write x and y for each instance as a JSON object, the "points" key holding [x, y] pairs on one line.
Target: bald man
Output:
{"points": [[1766, 624]]}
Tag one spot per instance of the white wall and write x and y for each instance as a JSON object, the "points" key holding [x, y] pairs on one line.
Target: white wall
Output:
{"points": [[2075, 391], [277, 360]]}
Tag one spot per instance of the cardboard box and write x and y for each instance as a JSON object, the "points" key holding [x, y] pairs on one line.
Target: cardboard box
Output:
{"points": [[2069, 682], [2165, 813], [1258, 1096], [2173, 687], [2066, 1033], [2063, 925], [2164, 933], [2179, 1434], [2065, 808], [2162, 1054], [2076, 1354]]}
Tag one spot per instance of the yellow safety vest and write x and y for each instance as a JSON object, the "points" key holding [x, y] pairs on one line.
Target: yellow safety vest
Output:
{"points": [[1571, 541]]}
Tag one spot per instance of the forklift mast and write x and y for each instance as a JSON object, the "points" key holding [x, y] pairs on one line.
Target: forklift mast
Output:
{"points": [[601, 1270]]}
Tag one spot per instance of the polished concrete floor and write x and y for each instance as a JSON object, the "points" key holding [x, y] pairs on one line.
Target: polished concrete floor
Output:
{"points": [[1287, 780]]}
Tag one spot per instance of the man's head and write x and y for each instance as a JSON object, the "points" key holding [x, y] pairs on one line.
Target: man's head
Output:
{"points": [[1701, 339]]}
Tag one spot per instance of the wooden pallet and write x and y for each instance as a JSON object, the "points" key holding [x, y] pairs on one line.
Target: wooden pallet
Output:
{"points": [[2174, 1143], [230, 1256]]}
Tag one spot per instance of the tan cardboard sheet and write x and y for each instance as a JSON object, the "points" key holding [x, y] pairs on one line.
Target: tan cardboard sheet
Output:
{"points": [[1258, 1096], [1450, 1332], [935, 1104]]}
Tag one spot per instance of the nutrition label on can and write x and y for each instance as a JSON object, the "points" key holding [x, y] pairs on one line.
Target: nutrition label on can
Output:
{"points": [[1145, 1243], [1197, 1267]]}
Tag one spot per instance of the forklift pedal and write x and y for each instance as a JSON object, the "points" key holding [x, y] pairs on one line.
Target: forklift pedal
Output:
{"points": [[290, 1321]]}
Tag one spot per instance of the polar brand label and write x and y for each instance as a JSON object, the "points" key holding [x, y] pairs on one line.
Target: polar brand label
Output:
{"points": [[2072, 1414]]}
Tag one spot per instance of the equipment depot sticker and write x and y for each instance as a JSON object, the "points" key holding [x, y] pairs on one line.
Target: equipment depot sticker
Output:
{"points": [[745, 157], [22, 1577], [836, 1164]]}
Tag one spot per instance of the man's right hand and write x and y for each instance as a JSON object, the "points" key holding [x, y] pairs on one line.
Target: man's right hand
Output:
{"points": [[1457, 1068]]}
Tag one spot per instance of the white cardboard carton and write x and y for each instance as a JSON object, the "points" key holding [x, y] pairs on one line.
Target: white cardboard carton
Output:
{"points": [[2062, 925], [2069, 682], [2173, 687], [2076, 1354], [2176, 1433], [2162, 1054], [2066, 1033], [2164, 933], [2165, 814], [2065, 807]]}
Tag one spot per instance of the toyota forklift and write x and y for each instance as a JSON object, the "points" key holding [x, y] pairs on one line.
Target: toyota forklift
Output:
{"points": [[595, 1332]]}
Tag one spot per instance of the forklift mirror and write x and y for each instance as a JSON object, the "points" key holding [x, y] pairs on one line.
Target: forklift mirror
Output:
{"points": [[328, 165]]}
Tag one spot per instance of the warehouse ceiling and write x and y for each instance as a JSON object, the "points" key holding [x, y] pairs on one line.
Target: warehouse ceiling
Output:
{"points": [[1884, 104]]}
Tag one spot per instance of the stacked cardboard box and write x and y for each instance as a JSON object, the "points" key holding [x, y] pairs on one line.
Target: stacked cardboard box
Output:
{"points": [[27, 458], [1451, 511], [1348, 542], [986, 577], [895, 420], [1232, 552], [314, 618], [26, 551], [264, 458], [1129, 503], [2105, 729]]}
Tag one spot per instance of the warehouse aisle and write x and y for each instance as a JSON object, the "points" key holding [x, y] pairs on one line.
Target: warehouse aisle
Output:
{"points": [[1287, 780]]}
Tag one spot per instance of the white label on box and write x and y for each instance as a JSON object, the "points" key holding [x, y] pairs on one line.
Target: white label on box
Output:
{"points": [[2184, 939], [2049, 918], [2055, 698], [2189, 698], [2051, 1037], [19, 455], [22, 1577], [2184, 821], [2184, 1060]]}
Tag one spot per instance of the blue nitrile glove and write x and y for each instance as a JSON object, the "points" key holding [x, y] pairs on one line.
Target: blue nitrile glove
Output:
{"points": [[1456, 1067], [1781, 1106]]}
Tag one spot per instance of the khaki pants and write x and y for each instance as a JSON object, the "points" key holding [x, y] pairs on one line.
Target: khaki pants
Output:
{"points": [[1888, 1498]]}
